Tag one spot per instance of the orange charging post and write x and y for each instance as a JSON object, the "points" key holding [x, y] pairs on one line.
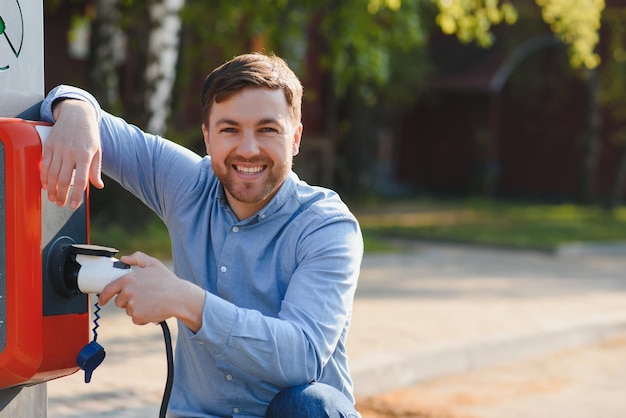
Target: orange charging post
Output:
{"points": [[41, 331]]}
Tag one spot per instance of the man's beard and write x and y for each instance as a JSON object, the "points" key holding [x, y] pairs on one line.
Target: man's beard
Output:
{"points": [[250, 191]]}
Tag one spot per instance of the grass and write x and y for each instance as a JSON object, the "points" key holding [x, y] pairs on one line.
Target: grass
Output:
{"points": [[154, 240], [473, 221], [494, 223]]}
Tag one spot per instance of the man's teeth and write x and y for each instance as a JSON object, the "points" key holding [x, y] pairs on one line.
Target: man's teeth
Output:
{"points": [[249, 170]]}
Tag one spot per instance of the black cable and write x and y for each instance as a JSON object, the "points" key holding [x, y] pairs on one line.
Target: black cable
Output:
{"points": [[170, 369]]}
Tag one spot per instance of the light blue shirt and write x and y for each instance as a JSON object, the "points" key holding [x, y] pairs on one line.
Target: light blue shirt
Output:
{"points": [[279, 285]]}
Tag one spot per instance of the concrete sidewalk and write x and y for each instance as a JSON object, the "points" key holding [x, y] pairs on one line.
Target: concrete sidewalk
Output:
{"points": [[427, 312]]}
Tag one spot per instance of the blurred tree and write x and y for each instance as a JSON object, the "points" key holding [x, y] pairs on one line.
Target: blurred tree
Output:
{"points": [[612, 88], [363, 38], [162, 57], [106, 51], [358, 36], [576, 22], [356, 44]]}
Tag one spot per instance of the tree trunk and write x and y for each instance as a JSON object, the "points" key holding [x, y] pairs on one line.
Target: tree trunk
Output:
{"points": [[591, 144], [619, 182], [107, 46], [160, 72]]}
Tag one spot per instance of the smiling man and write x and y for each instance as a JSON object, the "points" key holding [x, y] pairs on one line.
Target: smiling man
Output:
{"points": [[265, 265]]}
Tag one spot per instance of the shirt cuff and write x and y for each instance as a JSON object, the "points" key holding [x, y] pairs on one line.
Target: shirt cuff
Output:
{"points": [[66, 92], [218, 319]]}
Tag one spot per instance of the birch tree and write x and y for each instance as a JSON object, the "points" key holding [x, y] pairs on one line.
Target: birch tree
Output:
{"points": [[107, 52], [160, 71]]}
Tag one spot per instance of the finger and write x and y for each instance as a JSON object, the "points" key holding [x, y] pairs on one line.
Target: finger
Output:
{"points": [[46, 160], [138, 321], [63, 183], [110, 290], [52, 175], [136, 315], [125, 304], [139, 259], [80, 185], [95, 172]]}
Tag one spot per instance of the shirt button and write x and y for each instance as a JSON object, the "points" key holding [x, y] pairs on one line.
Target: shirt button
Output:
{"points": [[229, 377], [223, 269], [236, 410], [235, 229]]}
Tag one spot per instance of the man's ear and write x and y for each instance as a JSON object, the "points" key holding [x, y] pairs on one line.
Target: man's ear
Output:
{"points": [[205, 135], [297, 137]]}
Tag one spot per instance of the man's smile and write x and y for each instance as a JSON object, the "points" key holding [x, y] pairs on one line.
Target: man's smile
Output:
{"points": [[249, 170]]}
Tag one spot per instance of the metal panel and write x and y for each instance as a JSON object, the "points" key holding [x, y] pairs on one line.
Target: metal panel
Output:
{"points": [[21, 55]]}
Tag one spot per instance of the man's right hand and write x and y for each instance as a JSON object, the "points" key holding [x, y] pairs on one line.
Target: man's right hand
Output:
{"points": [[73, 144]]}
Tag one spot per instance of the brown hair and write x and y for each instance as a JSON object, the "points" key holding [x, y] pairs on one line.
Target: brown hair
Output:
{"points": [[251, 70]]}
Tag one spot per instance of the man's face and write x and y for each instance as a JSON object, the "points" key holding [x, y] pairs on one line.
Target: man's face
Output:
{"points": [[252, 140]]}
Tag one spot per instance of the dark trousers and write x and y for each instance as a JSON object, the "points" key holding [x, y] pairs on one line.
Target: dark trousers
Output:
{"points": [[314, 400]]}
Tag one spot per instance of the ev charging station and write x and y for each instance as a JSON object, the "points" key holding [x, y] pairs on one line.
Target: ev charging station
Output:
{"points": [[21, 87]]}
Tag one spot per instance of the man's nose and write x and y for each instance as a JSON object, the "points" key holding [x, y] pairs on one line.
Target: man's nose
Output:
{"points": [[248, 146]]}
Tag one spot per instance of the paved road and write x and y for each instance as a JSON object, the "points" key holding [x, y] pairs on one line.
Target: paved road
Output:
{"points": [[583, 382]]}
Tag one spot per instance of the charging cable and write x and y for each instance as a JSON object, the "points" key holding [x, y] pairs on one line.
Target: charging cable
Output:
{"points": [[169, 382]]}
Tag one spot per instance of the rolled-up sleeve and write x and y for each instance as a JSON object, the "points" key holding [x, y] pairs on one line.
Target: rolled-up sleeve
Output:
{"points": [[66, 92]]}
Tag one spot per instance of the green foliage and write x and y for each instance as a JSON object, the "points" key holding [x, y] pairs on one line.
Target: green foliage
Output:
{"points": [[360, 44], [577, 23], [358, 36], [471, 20]]}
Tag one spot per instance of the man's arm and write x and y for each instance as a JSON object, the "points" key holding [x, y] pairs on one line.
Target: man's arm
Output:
{"points": [[72, 146]]}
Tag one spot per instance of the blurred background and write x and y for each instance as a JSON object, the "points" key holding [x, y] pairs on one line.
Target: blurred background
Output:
{"points": [[499, 122]]}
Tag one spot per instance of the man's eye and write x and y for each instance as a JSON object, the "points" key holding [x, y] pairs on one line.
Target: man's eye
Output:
{"points": [[268, 129], [228, 130]]}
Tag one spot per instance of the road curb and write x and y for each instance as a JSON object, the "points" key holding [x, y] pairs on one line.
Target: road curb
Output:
{"points": [[384, 372]]}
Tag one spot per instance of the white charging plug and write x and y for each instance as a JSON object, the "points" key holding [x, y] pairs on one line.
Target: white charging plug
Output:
{"points": [[97, 268]]}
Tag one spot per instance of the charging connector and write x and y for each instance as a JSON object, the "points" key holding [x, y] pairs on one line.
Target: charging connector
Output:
{"points": [[81, 268]]}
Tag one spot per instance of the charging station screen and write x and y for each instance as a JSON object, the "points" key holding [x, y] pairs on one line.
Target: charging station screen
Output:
{"points": [[3, 264]]}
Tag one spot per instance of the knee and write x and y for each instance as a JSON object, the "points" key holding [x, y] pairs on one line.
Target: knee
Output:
{"points": [[315, 400]]}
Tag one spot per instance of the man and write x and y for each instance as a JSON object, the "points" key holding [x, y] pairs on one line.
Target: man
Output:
{"points": [[265, 266]]}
